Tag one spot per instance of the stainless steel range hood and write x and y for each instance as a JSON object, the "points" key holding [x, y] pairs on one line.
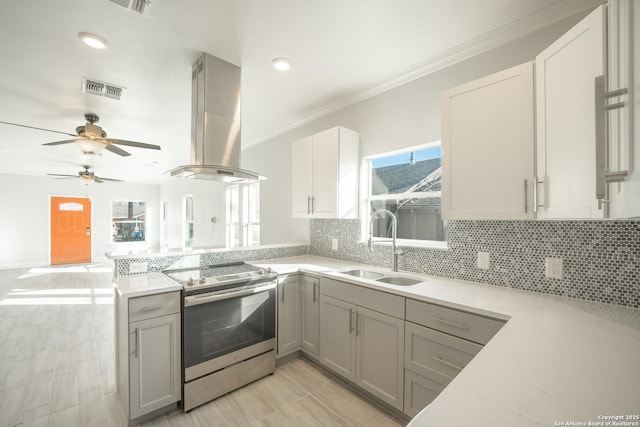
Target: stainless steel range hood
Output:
{"points": [[215, 124]]}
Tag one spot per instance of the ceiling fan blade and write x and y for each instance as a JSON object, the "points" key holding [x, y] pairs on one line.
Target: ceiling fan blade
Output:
{"points": [[107, 179], [33, 127], [59, 174], [116, 150], [61, 142], [133, 143], [98, 180]]}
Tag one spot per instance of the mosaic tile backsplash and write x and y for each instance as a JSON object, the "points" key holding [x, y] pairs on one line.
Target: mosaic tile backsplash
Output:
{"points": [[601, 259]]}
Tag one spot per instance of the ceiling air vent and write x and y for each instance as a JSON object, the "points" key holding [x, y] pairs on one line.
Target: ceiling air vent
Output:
{"points": [[134, 5], [99, 88]]}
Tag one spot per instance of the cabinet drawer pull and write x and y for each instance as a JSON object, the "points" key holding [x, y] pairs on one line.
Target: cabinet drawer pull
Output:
{"points": [[147, 308], [357, 323], [446, 362], [309, 205], [454, 324], [282, 296]]}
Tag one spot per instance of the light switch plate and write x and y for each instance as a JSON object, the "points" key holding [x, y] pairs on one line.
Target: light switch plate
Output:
{"points": [[334, 244], [553, 268], [483, 260]]}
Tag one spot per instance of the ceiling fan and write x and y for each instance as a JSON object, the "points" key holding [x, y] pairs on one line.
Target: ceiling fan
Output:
{"points": [[92, 139], [86, 176]]}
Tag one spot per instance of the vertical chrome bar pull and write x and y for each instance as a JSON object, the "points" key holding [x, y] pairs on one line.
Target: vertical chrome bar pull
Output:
{"points": [[135, 352], [309, 205], [315, 289], [282, 287], [601, 140], [526, 184], [350, 320]]}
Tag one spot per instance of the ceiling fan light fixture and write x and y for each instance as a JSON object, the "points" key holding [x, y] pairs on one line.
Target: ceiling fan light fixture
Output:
{"points": [[93, 40], [86, 179], [281, 64], [90, 146]]}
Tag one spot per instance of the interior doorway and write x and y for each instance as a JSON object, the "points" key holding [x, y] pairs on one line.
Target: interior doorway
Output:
{"points": [[70, 230]]}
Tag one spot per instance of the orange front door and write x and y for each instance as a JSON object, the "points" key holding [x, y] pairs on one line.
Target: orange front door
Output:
{"points": [[70, 230]]}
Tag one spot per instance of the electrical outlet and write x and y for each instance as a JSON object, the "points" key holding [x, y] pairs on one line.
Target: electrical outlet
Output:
{"points": [[334, 244], [483, 260], [138, 267], [553, 268]]}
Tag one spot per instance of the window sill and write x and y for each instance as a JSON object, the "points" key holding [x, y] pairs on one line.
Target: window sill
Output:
{"points": [[425, 244]]}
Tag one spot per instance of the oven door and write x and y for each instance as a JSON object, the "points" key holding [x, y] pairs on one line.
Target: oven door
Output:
{"points": [[217, 326]]}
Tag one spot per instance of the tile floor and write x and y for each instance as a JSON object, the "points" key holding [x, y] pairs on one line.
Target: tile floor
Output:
{"points": [[57, 365]]}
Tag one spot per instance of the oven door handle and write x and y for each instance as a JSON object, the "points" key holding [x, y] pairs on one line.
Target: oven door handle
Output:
{"points": [[219, 296]]}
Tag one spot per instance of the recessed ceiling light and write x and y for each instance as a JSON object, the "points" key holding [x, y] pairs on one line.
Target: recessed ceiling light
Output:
{"points": [[281, 64], [93, 40]]}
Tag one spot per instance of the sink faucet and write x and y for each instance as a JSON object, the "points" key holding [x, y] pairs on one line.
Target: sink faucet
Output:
{"points": [[394, 227]]}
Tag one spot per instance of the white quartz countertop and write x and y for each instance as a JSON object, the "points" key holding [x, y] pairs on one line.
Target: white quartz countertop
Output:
{"points": [[146, 284], [557, 361]]}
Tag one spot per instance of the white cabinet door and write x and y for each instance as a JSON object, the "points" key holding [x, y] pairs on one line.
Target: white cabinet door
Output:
{"points": [[380, 355], [288, 315], [337, 336], [326, 148], [302, 182], [325, 175], [154, 363], [488, 146], [565, 148], [309, 295]]}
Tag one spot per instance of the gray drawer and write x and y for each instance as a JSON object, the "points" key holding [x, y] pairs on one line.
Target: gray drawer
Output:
{"points": [[435, 355], [465, 325], [151, 306], [418, 392], [379, 301]]}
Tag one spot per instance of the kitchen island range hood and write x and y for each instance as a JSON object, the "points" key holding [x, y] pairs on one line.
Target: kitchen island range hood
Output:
{"points": [[215, 124]]}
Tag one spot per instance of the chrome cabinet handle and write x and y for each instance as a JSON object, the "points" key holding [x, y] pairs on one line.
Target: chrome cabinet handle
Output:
{"points": [[601, 140], [313, 203], [282, 296], [536, 205], [526, 182], [308, 204], [135, 351], [350, 320], [357, 323], [446, 362], [454, 324], [315, 287]]}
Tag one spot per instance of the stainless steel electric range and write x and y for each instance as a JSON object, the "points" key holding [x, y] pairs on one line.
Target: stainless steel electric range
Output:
{"points": [[228, 328]]}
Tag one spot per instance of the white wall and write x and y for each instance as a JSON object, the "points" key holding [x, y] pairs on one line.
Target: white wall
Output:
{"points": [[24, 225], [208, 202], [401, 117]]}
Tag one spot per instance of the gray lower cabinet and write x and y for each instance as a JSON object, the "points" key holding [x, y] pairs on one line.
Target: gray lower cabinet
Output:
{"points": [[289, 325], [364, 344], [310, 305], [439, 343], [149, 363], [298, 312]]}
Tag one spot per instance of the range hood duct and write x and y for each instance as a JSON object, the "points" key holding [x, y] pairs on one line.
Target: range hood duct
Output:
{"points": [[215, 124]]}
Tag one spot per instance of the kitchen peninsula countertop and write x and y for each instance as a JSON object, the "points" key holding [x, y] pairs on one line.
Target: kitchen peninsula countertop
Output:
{"points": [[556, 361], [151, 253]]}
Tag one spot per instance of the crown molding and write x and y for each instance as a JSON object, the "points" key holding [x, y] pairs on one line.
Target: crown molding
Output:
{"points": [[519, 28]]}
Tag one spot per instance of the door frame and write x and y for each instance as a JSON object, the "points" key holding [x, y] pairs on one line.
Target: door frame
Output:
{"points": [[51, 196]]}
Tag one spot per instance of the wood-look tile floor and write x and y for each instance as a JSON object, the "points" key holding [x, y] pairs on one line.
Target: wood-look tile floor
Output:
{"points": [[57, 365]]}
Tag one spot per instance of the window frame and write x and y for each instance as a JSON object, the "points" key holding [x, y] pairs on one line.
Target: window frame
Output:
{"points": [[244, 221], [143, 229], [366, 199]]}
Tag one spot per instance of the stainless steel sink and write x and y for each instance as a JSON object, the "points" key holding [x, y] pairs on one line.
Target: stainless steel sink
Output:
{"points": [[398, 280], [365, 274]]}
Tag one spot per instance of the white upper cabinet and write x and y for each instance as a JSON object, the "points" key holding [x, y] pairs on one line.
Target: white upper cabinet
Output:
{"points": [[325, 175], [566, 137], [488, 146]]}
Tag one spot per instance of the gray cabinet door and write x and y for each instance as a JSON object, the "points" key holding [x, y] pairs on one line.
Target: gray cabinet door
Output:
{"points": [[288, 315], [154, 361], [380, 355], [337, 336], [310, 303]]}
